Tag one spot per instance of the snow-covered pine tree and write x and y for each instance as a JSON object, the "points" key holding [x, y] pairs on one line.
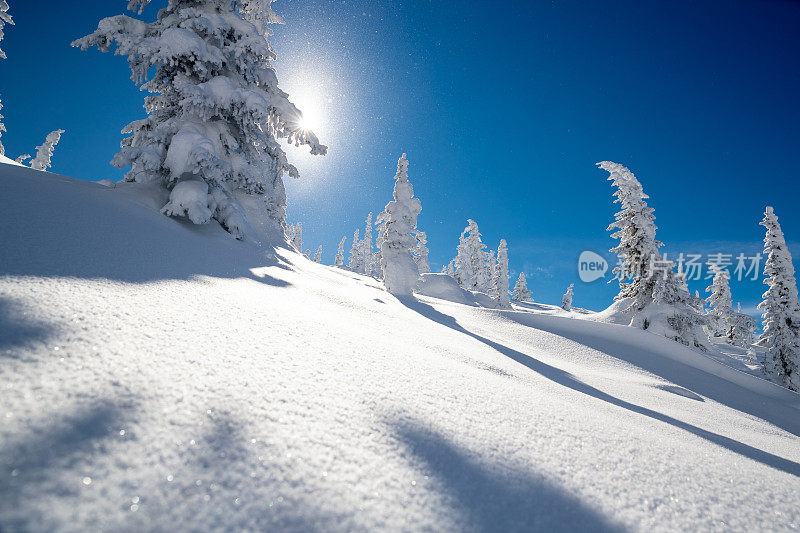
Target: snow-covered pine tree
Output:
{"points": [[450, 269], [500, 281], [5, 18], [421, 253], [400, 272], [2, 127], [45, 151], [673, 311], [566, 300], [521, 292], [742, 330], [720, 301], [780, 307], [339, 259], [462, 262], [216, 110], [491, 267], [355, 263], [660, 300], [484, 271], [367, 253], [472, 271], [634, 226], [21, 159], [297, 237], [318, 255]]}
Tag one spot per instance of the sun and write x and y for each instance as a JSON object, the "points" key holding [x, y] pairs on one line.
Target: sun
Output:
{"points": [[311, 108]]}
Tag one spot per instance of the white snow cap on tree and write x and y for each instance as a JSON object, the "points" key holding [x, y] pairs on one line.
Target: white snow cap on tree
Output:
{"points": [[521, 292], [45, 151], [339, 259], [500, 281], [21, 159], [400, 272], [318, 255], [566, 300], [780, 307], [421, 253], [216, 110], [5, 18]]}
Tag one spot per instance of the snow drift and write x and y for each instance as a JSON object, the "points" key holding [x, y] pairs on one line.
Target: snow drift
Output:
{"points": [[158, 375]]}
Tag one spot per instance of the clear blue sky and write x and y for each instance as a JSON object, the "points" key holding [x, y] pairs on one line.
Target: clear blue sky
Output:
{"points": [[503, 110]]}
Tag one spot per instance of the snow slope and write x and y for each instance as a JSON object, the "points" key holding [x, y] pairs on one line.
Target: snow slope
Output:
{"points": [[156, 375]]}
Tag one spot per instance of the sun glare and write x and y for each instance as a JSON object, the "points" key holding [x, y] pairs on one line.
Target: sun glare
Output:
{"points": [[310, 106]]}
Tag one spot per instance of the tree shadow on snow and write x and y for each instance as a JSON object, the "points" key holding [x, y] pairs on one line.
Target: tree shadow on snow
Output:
{"points": [[648, 355], [36, 462], [17, 329], [568, 380], [220, 483], [494, 497]]}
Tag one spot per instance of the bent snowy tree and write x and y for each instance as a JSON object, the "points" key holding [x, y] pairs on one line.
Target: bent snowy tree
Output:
{"points": [[216, 111]]}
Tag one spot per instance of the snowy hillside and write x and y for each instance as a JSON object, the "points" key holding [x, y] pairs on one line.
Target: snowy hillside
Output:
{"points": [[159, 375]]}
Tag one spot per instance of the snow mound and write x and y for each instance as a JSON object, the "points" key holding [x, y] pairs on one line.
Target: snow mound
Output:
{"points": [[444, 287], [161, 375]]}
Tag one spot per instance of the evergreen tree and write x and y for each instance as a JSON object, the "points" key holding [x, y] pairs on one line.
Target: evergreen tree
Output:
{"points": [[21, 159], [720, 301], [450, 269], [5, 18], [400, 272], [421, 253], [673, 311], [780, 307], [742, 329], [634, 227], [521, 292], [500, 281], [471, 268], [660, 299], [297, 237], [318, 255], [484, 271], [566, 300], [367, 253], [339, 260], [2, 128], [45, 151], [356, 264], [216, 111]]}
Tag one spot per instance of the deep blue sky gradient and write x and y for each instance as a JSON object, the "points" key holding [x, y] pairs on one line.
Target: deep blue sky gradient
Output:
{"points": [[503, 110]]}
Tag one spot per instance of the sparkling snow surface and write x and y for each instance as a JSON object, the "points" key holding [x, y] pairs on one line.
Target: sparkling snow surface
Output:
{"points": [[156, 375]]}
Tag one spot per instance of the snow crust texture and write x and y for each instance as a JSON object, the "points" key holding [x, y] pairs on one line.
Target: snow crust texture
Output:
{"points": [[158, 375]]}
